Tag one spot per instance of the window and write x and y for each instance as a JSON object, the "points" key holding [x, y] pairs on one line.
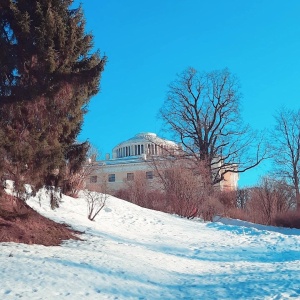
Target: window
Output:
{"points": [[93, 179], [149, 175], [111, 177], [130, 176]]}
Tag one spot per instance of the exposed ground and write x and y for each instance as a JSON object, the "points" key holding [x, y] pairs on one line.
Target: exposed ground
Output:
{"points": [[19, 223]]}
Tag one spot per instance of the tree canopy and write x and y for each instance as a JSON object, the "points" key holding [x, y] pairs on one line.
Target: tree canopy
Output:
{"points": [[48, 74]]}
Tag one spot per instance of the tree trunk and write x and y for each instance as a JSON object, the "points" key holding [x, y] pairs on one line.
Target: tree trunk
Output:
{"points": [[298, 198]]}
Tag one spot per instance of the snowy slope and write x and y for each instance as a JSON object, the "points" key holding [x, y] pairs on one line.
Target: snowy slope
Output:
{"points": [[134, 253]]}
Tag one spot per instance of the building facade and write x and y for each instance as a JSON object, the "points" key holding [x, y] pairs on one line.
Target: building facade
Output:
{"points": [[133, 158]]}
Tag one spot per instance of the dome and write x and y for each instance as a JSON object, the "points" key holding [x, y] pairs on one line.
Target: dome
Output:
{"points": [[144, 143]]}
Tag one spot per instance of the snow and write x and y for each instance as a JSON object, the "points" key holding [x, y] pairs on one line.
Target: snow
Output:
{"points": [[129, 252]]}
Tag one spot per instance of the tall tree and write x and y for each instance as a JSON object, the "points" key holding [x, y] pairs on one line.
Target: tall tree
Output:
{"points": [[48, 74], [286, 148], [203, 112]]}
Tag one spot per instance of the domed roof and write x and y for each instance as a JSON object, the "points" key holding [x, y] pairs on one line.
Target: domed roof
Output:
{"points": [[146, 137], [144, 143]]}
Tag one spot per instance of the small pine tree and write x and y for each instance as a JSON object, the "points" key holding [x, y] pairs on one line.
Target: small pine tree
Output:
{"points": [[48, 74]]}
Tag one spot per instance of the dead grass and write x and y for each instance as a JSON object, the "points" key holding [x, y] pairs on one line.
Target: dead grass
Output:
{"points": [[19, 223]]}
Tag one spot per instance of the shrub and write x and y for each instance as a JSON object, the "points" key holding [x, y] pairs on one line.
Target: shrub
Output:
{"points": [[95, 202], [289, 219], [156, 200], [228, 199], [270, 198], [122, 194], [210, 208], [238, 213]]}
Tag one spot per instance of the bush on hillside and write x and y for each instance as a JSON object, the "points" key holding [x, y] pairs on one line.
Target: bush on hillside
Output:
{"points": [[289, 219], [210, 208]]}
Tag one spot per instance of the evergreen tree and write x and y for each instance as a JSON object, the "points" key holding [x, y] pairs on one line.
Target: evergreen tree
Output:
{"points": [[48, 73]]}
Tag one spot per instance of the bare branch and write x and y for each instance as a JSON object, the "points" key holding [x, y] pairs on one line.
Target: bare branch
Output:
{"points": [[202, 110], [286, 148]]}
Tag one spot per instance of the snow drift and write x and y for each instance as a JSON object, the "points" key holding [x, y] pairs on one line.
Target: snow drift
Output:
{"points": [[129, 252]]}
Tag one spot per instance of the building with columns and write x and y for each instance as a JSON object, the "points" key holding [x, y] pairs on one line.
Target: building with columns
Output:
{"points": [[143, 144], [132, 158]]}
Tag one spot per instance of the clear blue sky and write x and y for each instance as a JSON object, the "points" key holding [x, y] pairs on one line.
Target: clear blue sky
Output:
{"points": [[149, 41]]}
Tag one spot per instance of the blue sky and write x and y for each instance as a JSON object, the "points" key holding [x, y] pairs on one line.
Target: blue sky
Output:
{"points": [[149, 42]]}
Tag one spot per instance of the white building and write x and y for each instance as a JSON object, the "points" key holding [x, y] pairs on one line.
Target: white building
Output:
{"points": [[132, 158], [129, 158]]}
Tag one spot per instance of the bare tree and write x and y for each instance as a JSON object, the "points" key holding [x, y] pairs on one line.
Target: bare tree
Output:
{"points": [[95, 202], [185, 186], [270, 198], [286, 148], [242, 198], [202, 110]]}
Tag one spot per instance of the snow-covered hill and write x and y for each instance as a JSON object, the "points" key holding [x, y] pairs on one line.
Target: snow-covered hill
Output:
{"points": [[133, 253]]}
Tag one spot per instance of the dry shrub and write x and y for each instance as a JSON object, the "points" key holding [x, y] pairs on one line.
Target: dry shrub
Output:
{"points": [[238, 213], [96, 200], [157, 200], [259, 208], [227, 199], [77, 181], [122, 194], [191, 194], [95, 203], [181, 205], [185, 190], [289, 219], [74, 183], [271, 198], [210, 208], [185, 183], [141, 192], [137, 189], [152, 199], [264, 204]]}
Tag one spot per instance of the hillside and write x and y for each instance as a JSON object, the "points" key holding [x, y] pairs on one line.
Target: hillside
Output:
{"points": [[130, 252]]}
